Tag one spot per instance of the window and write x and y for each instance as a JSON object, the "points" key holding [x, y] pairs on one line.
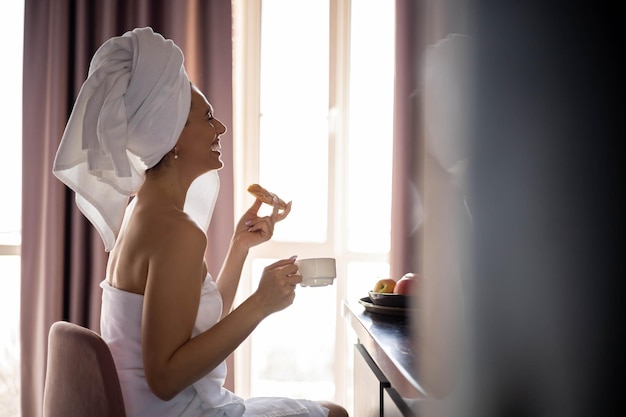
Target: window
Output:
{"points": [[314, 123], [11, 27]]}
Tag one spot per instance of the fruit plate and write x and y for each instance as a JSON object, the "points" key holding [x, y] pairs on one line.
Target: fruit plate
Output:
{"points": [[378, 309], [390, 299]]}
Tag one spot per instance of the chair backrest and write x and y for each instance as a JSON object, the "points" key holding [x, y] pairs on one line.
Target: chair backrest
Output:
{"points": [[81, 378]]}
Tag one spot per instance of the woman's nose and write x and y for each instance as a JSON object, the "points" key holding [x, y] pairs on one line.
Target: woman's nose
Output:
{"points": [[219, 127]]}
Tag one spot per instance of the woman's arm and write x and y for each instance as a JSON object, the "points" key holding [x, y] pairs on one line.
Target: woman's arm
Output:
{"points": [[173, 360], [250, 231], [230, 275]]}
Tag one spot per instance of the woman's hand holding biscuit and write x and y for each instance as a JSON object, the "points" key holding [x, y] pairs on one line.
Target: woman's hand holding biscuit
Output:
{"points": [[253, 229]]}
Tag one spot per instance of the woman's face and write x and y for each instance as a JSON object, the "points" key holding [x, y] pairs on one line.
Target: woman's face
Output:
{"points": [[199, 141]]}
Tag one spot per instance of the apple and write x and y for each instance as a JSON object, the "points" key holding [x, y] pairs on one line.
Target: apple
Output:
{"points": [[385, 285], [407, 285]]}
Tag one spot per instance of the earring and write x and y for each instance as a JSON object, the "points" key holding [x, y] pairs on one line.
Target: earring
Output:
{"points": [[175, 152]]}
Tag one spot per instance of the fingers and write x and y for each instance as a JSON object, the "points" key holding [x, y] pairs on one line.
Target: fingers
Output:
{"points": [[252, 230], [278, 284], [262, 225], [254, 208], [275, 208], [282, 214], [286, 272], [293, 278], [283, 262], [278, 215]]}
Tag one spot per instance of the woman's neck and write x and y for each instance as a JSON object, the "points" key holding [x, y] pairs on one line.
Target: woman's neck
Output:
{"points": [[166, 187]]}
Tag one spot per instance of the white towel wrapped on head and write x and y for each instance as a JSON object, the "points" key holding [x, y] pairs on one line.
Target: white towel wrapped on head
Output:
{"points": [[128, 114]]}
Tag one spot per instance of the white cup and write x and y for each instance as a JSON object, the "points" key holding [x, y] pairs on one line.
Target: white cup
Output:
{"points": [[317, 272]]}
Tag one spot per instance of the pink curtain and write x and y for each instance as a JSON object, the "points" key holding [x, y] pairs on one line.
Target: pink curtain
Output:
{"points": [[63, 259]]}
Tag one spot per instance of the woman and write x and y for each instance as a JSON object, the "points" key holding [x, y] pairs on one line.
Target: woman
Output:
{"points": [[139, 128]]}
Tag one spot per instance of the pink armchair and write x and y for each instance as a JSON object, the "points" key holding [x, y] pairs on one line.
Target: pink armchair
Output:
{"points": [[81, 378]]}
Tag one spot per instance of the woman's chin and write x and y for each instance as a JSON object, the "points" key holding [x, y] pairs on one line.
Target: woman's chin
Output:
{"points": [[217, 166], [216, 162]]}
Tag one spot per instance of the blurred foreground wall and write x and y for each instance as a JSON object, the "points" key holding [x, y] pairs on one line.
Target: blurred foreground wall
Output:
{"points": [[542, 185]]}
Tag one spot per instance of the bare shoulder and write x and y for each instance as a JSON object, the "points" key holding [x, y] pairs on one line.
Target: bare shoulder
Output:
{"points": [[173, 232], [176, 256], [160, 243]]}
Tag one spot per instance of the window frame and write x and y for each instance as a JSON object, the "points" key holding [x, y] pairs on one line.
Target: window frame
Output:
{"points": [[246, 132]]}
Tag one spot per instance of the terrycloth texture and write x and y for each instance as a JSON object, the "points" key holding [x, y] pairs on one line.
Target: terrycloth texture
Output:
{"points": [[128, 114], [121, 329], [210, 388]]}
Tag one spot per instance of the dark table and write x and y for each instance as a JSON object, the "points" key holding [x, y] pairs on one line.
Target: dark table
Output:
{"points": [[388, 341]]}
